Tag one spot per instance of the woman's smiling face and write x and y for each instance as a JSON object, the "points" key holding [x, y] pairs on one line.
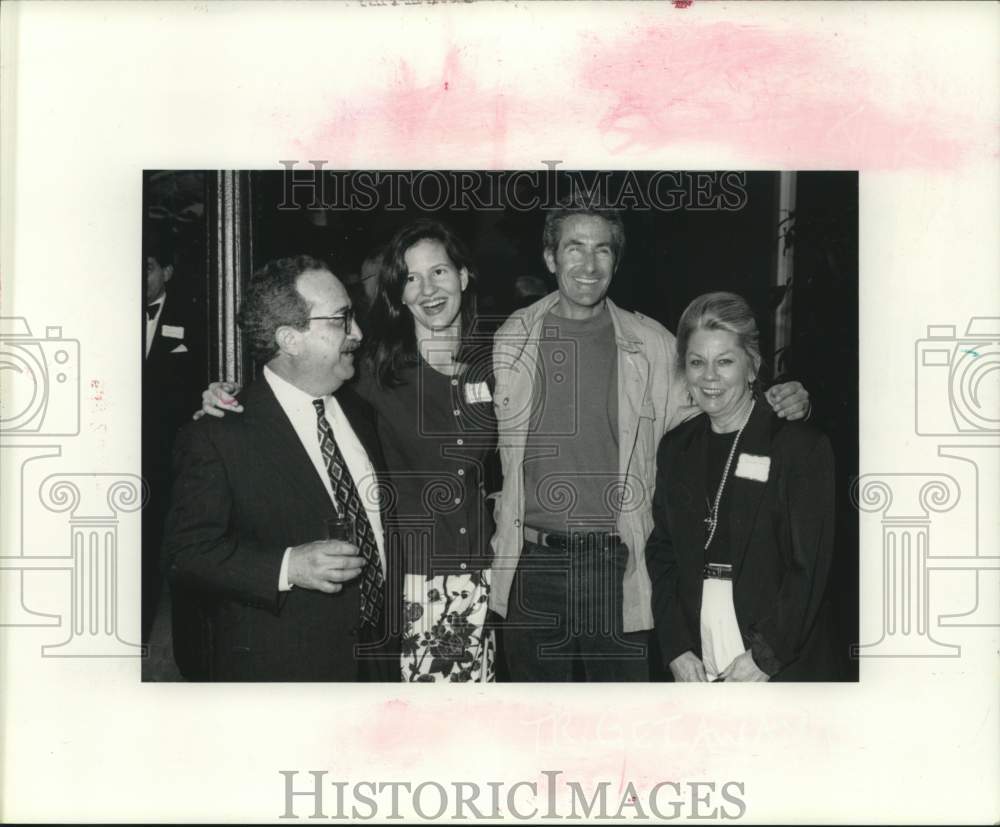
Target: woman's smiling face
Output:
{"points": [[718, 372], [434, 285]]}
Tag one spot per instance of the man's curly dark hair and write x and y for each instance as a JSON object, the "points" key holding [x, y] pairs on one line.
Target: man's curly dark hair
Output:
{"points": [[272, 300]]}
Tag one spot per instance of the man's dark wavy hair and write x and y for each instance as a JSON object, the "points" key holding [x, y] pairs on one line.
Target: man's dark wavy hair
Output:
{"points": [[391, 341], [579, 204], [272, 300]]}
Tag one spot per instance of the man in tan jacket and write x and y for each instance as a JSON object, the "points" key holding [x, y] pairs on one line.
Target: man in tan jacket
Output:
{"points": [[584, 392]]}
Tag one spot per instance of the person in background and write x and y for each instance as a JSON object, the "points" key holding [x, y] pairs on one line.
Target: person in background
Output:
{"points": [[170, 382], [743, 518], [362, 286], [528, 290]]}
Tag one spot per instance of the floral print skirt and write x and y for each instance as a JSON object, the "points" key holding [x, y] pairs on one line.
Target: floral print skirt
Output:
{"points": [[444, 628]]}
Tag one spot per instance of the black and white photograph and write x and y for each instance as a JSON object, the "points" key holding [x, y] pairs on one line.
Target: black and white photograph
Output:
{"points": [[582, 351], [497, 348]]}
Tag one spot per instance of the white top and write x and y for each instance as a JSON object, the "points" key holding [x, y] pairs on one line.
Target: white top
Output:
{"points": [[151, 323], [298, 407]]}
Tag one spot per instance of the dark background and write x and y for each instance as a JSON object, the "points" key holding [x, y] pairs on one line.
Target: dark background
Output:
{"points": [[671, 256]]}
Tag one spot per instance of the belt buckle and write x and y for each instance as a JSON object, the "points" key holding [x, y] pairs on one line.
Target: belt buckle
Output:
{"points": [[576, 540], [717, 571], [593, 540]]}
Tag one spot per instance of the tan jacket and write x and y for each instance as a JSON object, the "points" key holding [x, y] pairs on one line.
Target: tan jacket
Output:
{"points": [[651, 402]]}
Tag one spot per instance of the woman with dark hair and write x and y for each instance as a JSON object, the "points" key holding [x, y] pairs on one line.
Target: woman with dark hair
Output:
{"points": [[743, 518], [428, 379]]}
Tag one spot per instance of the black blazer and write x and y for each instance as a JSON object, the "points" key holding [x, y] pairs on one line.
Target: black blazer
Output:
{"points": [[173, 370], [172, 378], [782, 532], [245, 491]]}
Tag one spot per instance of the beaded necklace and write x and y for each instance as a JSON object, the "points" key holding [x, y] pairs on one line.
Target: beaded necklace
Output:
{"points": [[712, 520]]}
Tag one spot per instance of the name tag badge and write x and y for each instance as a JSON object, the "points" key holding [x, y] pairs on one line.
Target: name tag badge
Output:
{"points": [[477, 392], [172, 331], [752, 467]]}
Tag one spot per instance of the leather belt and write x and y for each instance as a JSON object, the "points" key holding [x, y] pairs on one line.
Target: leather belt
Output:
{"points": [[578, 539], [717, 571]]}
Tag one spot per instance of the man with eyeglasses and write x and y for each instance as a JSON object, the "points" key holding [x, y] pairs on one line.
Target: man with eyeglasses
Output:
{"points": [[259, 499]]}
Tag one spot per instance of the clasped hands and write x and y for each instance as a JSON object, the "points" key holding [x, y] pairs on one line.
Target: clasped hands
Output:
{"points": [[688, 668]]}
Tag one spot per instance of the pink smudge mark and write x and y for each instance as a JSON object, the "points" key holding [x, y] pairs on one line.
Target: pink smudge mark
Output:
{"points": [[96, 390], [408, 118], [621, 777], [588, 746], [514, 725], [780, 97], [683, 4], [792, 100], [387, 731]]}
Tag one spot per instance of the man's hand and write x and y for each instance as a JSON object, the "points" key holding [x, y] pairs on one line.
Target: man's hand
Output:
{"points": [[789, 400], [218, 398], [688, 668], [743, 670], [324, 565]]}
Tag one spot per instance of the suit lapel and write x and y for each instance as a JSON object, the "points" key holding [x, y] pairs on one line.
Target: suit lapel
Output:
{"points": [[162, 345], [292, 464], [747, 495], [689, 488], [158, 347]]}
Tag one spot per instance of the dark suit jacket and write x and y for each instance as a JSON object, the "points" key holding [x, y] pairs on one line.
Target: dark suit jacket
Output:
{"points": [[172, 379], [782, 545], [245, 491], [173, 370]]}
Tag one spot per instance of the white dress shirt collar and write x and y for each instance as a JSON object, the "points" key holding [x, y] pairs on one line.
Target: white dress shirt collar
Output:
{"points": [[293, 399], [298, 407], [151, 323]]}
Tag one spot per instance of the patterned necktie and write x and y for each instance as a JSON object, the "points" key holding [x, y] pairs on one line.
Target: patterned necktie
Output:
{"points": [[345, 492]]}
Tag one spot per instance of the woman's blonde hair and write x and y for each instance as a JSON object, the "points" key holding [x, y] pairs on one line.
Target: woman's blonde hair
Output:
{"points": [[719, 311]]}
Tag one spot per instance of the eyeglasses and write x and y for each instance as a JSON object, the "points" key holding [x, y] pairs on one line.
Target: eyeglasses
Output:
{"points": [[343, 320]]}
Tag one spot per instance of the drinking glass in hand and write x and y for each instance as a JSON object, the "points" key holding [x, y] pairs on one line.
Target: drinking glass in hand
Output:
{"points": [[341, 528]]}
